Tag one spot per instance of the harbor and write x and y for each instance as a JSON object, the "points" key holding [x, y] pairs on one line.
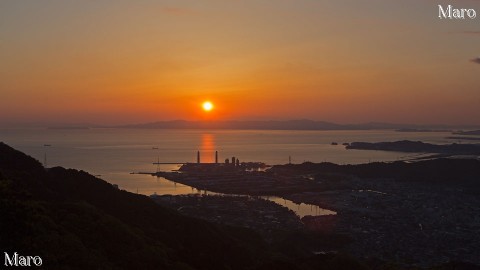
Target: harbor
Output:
{"points": [[372, 203], [232, 178]]}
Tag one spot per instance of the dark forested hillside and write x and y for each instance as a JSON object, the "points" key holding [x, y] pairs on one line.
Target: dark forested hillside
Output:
{"points": [[74, 220]]}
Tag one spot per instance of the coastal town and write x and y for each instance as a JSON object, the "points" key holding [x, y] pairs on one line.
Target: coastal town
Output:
{"points": [[259, 214], [414, 223]]}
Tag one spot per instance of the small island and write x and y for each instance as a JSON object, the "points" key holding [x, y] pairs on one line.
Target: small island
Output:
{"points": [[419, 147], [472, 132]]}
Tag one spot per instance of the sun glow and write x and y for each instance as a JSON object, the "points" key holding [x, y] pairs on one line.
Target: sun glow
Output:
{"points": [[207, 106]]}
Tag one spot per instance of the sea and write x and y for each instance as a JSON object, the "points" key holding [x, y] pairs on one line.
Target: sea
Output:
{"points": [[113, 154]]}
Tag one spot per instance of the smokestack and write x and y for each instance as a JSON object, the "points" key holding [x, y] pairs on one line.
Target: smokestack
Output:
{"points": [[216, 157], [198, 157]]}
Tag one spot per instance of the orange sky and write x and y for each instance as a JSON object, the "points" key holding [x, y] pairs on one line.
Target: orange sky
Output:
{"points": [[111, 62]]}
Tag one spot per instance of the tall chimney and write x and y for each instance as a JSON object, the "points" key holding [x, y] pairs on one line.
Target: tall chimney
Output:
{"points": [[198, 157], [216, 157]]}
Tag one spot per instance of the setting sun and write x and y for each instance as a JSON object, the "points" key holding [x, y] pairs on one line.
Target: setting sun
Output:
{"points": [[207, 106]]}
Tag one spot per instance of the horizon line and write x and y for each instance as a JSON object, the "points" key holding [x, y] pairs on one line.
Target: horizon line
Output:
{"points": [[302, 124]]}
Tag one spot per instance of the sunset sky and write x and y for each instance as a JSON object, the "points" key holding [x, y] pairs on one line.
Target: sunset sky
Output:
{"points": [[344, 61]]}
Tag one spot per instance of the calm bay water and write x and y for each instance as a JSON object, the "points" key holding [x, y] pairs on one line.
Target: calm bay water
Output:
{"points": [[114, 153]]}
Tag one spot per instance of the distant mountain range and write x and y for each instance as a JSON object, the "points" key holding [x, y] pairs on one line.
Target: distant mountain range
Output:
{"points": [[297, 124], [303, 124]]}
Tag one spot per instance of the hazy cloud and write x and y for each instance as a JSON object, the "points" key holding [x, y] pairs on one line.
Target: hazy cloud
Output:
{"points": [[471, 32], [476, 60], [177, 11]]}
